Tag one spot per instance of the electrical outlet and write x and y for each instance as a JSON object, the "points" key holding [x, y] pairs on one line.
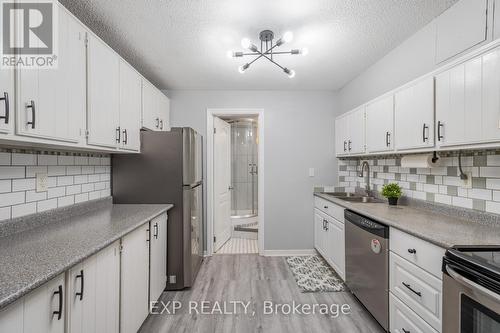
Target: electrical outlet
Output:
{"points": [[468, 182], [42, 182]]}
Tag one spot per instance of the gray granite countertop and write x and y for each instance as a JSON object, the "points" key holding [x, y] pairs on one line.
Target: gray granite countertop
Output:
{"points": [[34, 255], [439, 229]]}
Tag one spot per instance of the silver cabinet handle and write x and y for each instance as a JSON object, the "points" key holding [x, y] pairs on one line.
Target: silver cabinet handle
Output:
{"points": [[118, 134], [349, 145], [424, 129], [345, 146], [5, 98], [157, 122], [161, 124], [440, 125], [125, 137], [33, 114], [408, 286], [388, 139]]}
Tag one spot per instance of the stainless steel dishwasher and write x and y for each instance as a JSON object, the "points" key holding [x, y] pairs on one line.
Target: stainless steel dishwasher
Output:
{"points": [[367, 264]]}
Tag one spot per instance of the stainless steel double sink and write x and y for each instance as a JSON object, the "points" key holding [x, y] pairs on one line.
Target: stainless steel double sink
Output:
{"points": [[354, 197]]}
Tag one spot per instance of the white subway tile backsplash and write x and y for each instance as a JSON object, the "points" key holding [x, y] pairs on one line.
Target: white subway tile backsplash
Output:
{"points": [[5, 186], [32, 171], [65, 180], [66, 201], [65, 160], [25, 184], [81, 179], [431, 188], [475, 193], [94, 178], [5, 159], [496, 195], [493, 160], [32, 196], [493, 207], [10, 199], [5, 213], [24, 159], [106, 160], [81, 197], [100, 186], [25, 209], [489, 172], [56, 170], [74, 189], [94, 161], [47, 159], [444, 199], [56, 192], [493, 184], [87, 187], [73, 170], [94, 195], [11, 172], [462, 202], [87, 169], [46, 205], [81, 160], [100, 169]]}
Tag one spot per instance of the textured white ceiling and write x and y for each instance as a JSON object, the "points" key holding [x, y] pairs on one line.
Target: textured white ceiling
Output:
{"points": [[182, 44]]}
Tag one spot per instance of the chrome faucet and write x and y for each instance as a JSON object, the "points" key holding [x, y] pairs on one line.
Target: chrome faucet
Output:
{"points": [[365, 163]]}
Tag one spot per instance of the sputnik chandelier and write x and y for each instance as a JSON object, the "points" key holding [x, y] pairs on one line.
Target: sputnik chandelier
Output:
{"points": [[267, 50]]}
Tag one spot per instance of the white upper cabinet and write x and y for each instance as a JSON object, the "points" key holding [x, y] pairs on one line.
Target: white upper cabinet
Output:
{"points": [[6, 100], [414, 116], [350, 133], [468, 103], [155, 108], [103, 94], [461, 27], [130, 107], [380, 125], [51, 102]]}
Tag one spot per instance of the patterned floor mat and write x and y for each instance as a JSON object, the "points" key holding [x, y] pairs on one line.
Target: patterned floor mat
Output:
{"points": [[313, 274]]}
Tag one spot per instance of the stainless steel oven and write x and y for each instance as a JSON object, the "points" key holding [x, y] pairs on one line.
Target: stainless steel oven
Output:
{"points": [[471, 290]]}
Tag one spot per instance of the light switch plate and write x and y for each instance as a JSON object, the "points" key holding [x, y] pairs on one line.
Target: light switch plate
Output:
{"points": [[311, 172], [41, 182]]}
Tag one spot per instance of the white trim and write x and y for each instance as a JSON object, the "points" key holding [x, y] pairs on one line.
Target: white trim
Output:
{"points": [[211, 113], [289, 253]]}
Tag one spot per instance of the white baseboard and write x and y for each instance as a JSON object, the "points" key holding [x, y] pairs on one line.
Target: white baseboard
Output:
{"points": [[289, 253]]}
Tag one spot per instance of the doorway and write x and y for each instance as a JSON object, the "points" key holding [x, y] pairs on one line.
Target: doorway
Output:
{"points": [[235, 182]]}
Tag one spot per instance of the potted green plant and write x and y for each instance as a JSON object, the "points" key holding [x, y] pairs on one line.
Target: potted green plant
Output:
{"points": [[392, 192]]}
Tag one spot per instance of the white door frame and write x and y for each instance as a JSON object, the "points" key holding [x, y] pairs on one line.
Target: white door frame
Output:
{"points": [[211, 113]]}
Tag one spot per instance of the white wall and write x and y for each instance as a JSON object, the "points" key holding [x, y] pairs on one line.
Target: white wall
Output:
{"points": [[411, 59], [298, 135]]}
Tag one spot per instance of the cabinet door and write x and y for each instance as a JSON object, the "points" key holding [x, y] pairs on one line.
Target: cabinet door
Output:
{"points": [[39, 307], [6, 100], [158, 265], [134, 279], [458, 104], [414, 116], [51, 102], [104, 94], [380, 125], [318, 232], [460, 27], [107, 291], [150, 117], [164, 112], [336, 246], [130, 107], [12, 317], [341, 136], [82, 297], [356, 127], [491, 96]]}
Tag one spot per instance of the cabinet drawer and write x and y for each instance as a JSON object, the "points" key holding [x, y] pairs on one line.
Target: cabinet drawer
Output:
{"points": [[335, 211], [423, 254], [419, 290], [403, 319]]}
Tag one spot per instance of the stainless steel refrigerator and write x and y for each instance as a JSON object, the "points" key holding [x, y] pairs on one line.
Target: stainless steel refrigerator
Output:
{"points": [[168, 170]]}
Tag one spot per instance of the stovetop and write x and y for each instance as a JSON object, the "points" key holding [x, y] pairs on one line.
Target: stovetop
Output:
{"points": [[483, 259]]}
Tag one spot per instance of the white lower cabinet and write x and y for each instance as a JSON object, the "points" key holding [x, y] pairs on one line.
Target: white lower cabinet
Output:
{"points": [[134, 293], [158, 264], [41, 311], [329, 237], [93, 293], [403, 320]]}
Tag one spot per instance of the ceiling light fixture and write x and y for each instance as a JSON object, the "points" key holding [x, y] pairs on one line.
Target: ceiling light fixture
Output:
{"points": [[267, 50]]}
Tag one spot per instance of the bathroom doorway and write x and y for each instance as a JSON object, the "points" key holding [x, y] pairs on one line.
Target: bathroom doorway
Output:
{"points": [[241, 233]]}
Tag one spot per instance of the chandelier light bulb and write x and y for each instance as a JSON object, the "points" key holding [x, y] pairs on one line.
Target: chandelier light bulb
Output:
{"points": [[288, 37], [243, 68], [289, 72], [246, 43], [304, 51], [229, 54]]}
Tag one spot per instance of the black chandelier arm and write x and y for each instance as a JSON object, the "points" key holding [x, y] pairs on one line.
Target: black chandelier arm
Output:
{"points": [[274, 62]]}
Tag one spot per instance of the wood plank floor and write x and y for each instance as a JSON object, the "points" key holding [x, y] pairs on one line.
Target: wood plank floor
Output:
{"points": [[255, 279], [237, 245]]}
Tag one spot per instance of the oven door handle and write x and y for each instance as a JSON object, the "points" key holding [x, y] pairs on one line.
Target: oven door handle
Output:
{"points": [[471, 284]]}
